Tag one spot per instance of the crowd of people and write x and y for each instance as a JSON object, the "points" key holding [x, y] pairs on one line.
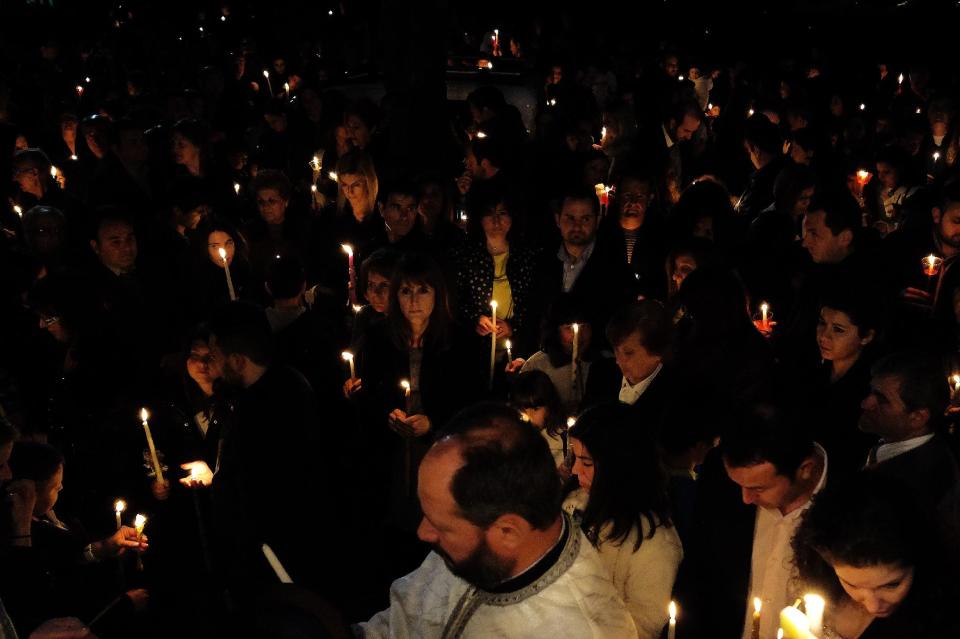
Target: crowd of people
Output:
{"points": [[677, 330]]}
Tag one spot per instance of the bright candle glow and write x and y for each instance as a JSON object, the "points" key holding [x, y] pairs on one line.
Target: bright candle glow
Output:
{"points": [[223, 253], [119, 506]]}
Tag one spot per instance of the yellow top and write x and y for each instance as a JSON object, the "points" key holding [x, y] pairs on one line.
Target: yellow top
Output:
{"points": [[501, 287]]}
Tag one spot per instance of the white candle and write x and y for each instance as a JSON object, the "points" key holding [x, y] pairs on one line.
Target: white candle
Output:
{"points": [[236, 188], [493, 338], [348, 357], [509, 351], [139, 523], [153, 451], [118, 507], [576, 351], [332, 175], [672, 629], [274, 562], [266, 74], [405, 385], [226, 270]]}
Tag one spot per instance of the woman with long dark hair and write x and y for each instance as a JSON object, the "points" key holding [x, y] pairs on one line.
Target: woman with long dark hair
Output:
{"points": [[878, 556], [625, 510], [534, 395]]}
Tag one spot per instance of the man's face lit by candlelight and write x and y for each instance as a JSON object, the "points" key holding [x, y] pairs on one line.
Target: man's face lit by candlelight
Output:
{"points": [[578, 222], [463, 546], [116, 246], [947, 225]]}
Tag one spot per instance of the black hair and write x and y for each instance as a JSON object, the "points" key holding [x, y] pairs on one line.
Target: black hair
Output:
{"points": [[382, 262], [34, 460], [629, 483], [791, 182], [398, 187], [490, 150], [241, 328], [765, 434], [923, 384], [535, 389], [106, 215], [841, 210], [567, 308], [763, 134], [582, 194], [863, 305], [508, 468], [646, 317], [272, 179], [416, 268]]}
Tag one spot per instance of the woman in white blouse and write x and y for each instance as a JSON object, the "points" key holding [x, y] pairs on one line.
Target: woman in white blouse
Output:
{"points": [[624, 510]]}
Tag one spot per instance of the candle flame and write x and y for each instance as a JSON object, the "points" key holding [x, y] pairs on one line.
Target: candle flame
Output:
{"points": [[919, 110], [936, 155], [119, 506], [144, 415], [709, 106], [346, 355], [139, 522], [570, 422], [672, 611], [481, 135], [956, 380], [863, 175], [357, 308], [757, 605], [87, 79], [53, 172], [900, 79], [223, 253], [74, 158], [603, 132], [18, 210], [553, 102], [750, 113], [863, 107], [332, 175], [779, 633], [680, 78], [313, 188], [405, 385], [764, 308], [236, 188], [493, 305], [508, 345], [266, 73], [490, 65], [575, 327], [347, 249], [286, 87], [315, 163]]}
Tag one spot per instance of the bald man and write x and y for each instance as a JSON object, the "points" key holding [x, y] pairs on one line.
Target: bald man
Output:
{"points": [[506, 561]]}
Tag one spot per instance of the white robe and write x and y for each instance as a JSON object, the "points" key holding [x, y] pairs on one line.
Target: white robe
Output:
{"points": [[575, 598]]}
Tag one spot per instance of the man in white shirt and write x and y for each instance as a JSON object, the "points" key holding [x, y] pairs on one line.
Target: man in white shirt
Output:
{"points": [[506, 561], [779, 469]]}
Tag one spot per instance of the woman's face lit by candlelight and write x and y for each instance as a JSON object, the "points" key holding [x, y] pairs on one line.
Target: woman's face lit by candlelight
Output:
{"points": [[220, 240]]}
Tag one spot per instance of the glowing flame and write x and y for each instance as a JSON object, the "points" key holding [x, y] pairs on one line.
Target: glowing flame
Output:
{"points": [[757, 605], [332, 175], [223, 253], [266, 74], [144, 415], [481, 135], [347, 249], [236, 188], [346, 355], [119, 506], [571, 421], [139, 522], [672, 611]]}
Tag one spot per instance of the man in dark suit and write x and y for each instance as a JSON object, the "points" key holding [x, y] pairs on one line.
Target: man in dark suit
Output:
{"points": [[581, 266], [905, 407], [640, 335]]}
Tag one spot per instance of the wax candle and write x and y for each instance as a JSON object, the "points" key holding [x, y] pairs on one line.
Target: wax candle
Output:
{"points": [[863, 177], [576, 352], [316, 165], [153, 450], [226, 271], [139, 523], [571, 421], [900, 79], [672, 628], [795, 624], [348, 357], [274, 562], [954, 387], [764, 316], [236, 188], [351, 274], [332, 175], [286, 88], [266, 74], [118, 507], [493, 338], [18, 211], [480, 135], [931, 265], [757, 607], [936, 156], [405, 385], [814, 605], [509, 351]]}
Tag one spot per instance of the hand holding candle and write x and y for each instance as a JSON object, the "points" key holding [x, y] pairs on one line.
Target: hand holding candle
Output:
{"points": [[348, 357], [757, 607], [931, 265], [795, 624], [814, 605], [200, 474]]}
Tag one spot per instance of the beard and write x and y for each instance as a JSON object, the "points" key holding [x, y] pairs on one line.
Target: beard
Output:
{"points": [[483, 568]]}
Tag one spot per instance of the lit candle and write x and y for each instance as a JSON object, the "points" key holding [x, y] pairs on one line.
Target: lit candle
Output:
{"points": [[481, 135], [601, 190], [757, 606], [490, 66], [348, 357], [509, 351], [493, 338], [603, 134], [750, 113], [936, 156], [764, 316], [863, 177], [286, 88], [74, 158], [226, 270], [153, 450], [236, 188], [274, 562], [79, 90], [266, 74], [407, 448], [672, 629], [18, 211], [139, 523], [54, 172], [919, 110], [814, 605], [118, 507], [317, 167], [680, 78], [954, 387], [566, 435], [552, 102], [351, 274], [779, 633], [356, 308], [332, 175], [863, 107], [795, 624], [900, 79], [931, 265]]}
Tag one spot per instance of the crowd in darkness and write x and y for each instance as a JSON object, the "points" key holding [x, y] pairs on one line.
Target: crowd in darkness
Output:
{"points": [[617, 326]]}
